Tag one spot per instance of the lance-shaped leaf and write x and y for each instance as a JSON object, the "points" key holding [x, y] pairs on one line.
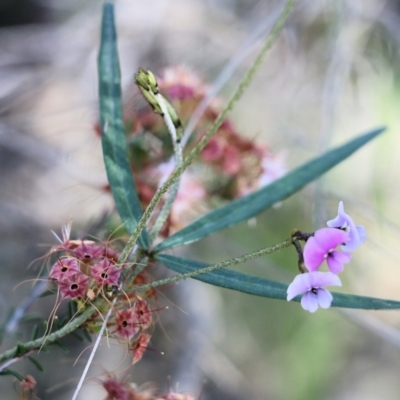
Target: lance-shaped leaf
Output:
{"points": [[114, 145], [266, 288], [248, 206]]}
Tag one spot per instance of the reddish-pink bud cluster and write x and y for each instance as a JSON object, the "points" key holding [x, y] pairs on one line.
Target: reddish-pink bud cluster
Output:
{"points": [[120, 390], [86, 266], [85, 270]]}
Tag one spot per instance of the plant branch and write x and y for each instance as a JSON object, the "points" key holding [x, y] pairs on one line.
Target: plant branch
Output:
{"points": [[15, 352], [213, 267]]}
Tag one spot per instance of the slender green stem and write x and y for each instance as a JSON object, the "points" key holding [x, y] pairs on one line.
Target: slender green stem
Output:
{"points": [[178, 151], [213, 267], [213, 129], [53, 337]]}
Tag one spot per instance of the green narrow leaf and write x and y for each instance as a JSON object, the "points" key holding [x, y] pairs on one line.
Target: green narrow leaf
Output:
{"points": [[61, 346], [36, 363], [87, 335], [77, 336], [35, 331], [246, 207], [266, 288], [13, 373], [114, 145]]}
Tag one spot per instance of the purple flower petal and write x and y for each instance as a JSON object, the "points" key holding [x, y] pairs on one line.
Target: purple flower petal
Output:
{"points": [[324, 298], [320, 279], [301, 284], [309, 302], [336, 259], [357, 233]]}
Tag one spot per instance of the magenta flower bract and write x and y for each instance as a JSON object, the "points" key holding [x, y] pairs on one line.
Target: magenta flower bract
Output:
{"points": [[105, 273], [64, 268], [321, 247], [357, 233], [74, 286], [311, 286]]}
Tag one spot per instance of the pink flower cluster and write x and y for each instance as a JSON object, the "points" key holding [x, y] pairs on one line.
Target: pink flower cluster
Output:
{"points": [[122, 390], [85, 270], [320, 247]]}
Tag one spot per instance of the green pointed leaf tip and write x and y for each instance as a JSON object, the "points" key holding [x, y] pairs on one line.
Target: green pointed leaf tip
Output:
{"points": [[13, 373], [114, 145], [36, 363], [255, 285], [248, 206]]}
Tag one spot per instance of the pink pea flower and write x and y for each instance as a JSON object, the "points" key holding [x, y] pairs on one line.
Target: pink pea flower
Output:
{"points": [[321, 247], [356, 233], [311, 286]]}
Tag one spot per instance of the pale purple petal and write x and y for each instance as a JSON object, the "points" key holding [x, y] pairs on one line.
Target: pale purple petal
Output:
{"points": [[341, 218], [320, 279], [357, 233], [309, 302], [336, 259], [301, 284], [313, 254], [311, 285], [324, 298]]}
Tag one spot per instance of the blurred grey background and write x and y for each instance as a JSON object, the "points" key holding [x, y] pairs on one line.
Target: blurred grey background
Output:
{"points": [[332, 74]]}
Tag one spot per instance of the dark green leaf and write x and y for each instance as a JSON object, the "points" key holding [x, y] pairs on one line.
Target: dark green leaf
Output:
{"points": [[114, 145], [87, 335], [61, 346], [36, 363], [35, 331], [76, 335], [47, 293], [246, 207], [263, 287], [13, 373]]}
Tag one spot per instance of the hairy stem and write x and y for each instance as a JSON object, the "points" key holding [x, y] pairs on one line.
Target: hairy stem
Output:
{"points": [[53, 337], [213, 267]]}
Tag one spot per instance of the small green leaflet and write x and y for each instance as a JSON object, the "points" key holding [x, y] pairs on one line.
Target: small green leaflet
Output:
{"points": [[248, 206], [114, 145], [266, 288]]}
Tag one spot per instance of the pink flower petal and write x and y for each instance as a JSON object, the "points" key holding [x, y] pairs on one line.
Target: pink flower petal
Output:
{"points": [[330, 238], [313, 254]]}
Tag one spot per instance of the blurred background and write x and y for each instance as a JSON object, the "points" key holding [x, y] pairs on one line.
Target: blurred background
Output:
{"points": [[332, 74]]}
